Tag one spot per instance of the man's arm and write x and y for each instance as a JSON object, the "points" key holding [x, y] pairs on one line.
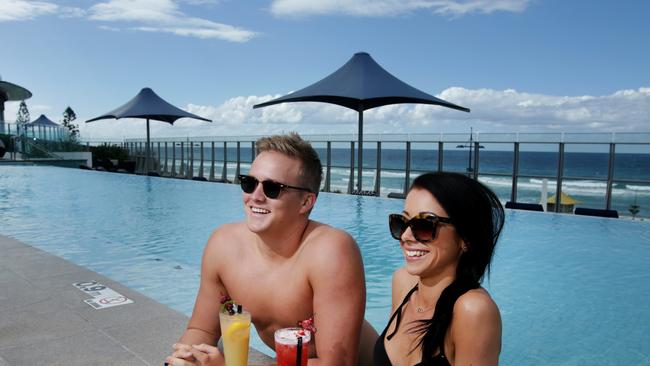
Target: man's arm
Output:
{"points": [[203, 327], [337, 279]]}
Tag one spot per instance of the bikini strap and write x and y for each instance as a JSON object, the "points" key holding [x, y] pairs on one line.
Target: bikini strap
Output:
{"points": [[398, 313]]}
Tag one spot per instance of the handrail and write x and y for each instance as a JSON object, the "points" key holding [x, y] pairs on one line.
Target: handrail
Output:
{"points": [[26, 142], [562, 146]]}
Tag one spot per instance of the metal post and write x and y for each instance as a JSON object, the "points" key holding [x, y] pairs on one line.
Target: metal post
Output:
{"points": [[146, 154], [515, 173], [610, 175], [440, 155], [476, 148], [560, 174], [351, 180], [407, 164], [173, 173], [253, 154], [212, 161], [378, 170], [165, 171], [181, 170], [158, 159], [201, 165], [237, 169], [190, 171], [360, 162], [469, 155], [328, 169], [224, 172]]}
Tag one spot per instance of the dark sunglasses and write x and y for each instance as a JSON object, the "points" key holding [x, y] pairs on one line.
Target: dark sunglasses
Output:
{"points": [[271, 189], [423, 226]]}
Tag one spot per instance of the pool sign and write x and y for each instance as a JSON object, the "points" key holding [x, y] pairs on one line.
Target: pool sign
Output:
{"points": [[103, 297]]}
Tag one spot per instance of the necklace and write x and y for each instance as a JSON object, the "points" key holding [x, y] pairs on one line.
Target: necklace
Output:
{"points": [[421, 309]]}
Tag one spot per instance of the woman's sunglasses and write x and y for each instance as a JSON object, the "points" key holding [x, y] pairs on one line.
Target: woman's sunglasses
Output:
{"points": [[271, 189], [423, 226]]}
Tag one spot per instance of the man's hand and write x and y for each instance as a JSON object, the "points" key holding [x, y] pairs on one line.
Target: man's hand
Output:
{"points": [[182, 351], [196, 355]]}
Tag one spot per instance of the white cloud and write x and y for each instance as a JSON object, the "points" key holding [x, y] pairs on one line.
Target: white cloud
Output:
{"points": [[18, 10], [165, 16], [70, 12], [378, 8], [201, 2], [493, 111], [622, 111], [11, 110]]}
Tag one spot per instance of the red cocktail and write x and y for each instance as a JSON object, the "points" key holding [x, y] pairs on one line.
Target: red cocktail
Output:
{"points": [[292, 346]]}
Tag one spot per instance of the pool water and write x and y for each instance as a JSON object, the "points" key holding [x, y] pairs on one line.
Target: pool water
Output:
{"points": [[572, 290]]}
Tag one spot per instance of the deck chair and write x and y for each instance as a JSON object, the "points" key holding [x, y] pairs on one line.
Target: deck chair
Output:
{"points": [[596, 212], [524, 206]]}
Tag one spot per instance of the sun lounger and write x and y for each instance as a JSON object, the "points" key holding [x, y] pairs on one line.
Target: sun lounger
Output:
{"points": [[524, 206], [596, 212]]}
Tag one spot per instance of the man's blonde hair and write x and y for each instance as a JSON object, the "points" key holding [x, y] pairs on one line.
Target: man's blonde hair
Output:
{"points": [[292, 145]]}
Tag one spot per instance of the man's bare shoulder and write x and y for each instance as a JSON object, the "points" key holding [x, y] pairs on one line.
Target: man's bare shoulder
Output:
{"points": [[222, 237], [328, 250], [322, 237]]}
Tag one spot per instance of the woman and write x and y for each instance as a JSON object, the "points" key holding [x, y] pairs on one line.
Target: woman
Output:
{"points": [[441, 314]]}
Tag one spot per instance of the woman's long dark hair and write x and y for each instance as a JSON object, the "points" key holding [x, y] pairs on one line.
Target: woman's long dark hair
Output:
{"points": [[477, 216]]}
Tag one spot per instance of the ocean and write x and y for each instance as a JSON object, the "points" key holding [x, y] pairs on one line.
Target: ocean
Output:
{"points": [[584, 179]]}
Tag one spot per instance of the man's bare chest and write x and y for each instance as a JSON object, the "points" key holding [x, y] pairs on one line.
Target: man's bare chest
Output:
{"points": [[274, 296]]}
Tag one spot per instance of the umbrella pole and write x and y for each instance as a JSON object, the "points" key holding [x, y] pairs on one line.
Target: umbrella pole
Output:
{"points": [[360, 153], [146, 164]]}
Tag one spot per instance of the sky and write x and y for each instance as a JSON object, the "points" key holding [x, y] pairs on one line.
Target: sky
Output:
{"points": [[519, 65]]}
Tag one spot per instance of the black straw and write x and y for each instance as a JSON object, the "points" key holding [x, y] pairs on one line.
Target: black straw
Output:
{"points": [[239, 309], [299, 352]]}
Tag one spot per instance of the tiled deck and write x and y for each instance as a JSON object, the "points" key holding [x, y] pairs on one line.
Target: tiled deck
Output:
{"points": [[44, 321]]}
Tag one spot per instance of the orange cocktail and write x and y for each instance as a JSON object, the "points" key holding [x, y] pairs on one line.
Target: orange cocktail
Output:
{"points": [[235, 333]]}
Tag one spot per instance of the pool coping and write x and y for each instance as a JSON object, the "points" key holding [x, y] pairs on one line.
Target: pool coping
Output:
{"points": [[45, 321]]}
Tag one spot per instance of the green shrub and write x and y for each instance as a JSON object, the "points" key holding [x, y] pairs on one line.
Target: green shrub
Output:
{"points": [[105, 153], [7, 141]]}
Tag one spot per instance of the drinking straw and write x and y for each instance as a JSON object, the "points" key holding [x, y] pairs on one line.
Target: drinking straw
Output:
{"points": [[299, 352]]}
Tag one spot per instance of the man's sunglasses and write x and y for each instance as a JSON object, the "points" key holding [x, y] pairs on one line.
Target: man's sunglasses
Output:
{"points": [[423, 226], [271, 189]]}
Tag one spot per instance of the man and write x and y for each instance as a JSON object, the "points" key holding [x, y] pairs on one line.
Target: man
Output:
{"points": [[280, 265]]}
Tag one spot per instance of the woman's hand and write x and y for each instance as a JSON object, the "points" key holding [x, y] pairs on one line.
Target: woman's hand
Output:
{"points": [[195, 355]]}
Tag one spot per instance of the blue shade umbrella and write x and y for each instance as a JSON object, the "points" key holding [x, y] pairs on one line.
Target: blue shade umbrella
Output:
{"points": [[43, 121], [361, 84], [150, 106], [10, 92]]}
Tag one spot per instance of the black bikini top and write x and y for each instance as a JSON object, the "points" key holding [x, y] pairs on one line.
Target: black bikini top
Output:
{"points": [[380, 357]]}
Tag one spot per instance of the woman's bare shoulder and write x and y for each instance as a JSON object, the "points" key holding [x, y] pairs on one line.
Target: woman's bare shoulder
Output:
{"points": [[402, 283], [403, 279], [476, 305]]}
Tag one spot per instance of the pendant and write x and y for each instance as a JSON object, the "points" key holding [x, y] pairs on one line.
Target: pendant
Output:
{"points": [[419, 310]]}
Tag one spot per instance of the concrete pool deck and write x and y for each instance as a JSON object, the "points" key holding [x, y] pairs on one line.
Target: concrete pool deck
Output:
{"points": [[44, 320]]}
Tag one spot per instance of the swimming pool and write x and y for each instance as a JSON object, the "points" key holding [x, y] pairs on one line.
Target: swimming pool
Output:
{"points": [[572, 290]]}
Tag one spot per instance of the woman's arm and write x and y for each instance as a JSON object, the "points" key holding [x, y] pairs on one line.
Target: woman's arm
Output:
{"points": [[476, 330]]}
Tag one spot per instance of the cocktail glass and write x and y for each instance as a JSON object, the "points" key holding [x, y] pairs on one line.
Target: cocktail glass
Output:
{"points": [[292, 346], [235, 334]]}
